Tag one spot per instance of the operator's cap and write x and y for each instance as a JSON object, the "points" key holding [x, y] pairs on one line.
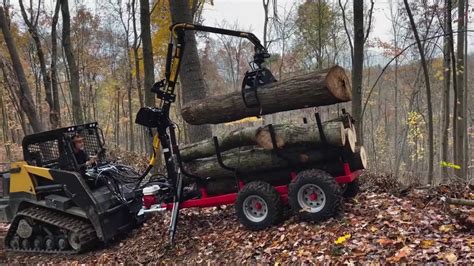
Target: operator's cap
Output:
{"points": [[77, 137]]}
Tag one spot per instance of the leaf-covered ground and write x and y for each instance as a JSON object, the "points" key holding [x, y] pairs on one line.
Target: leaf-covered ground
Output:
{"points": [[375, 227]]}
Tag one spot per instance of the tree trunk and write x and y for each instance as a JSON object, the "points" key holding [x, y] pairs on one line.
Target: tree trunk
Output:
{"points": [[136, 38], [71, 62], [14, 99], [147, 52], [192, 82], [428, 92], [117, 116], [24, 94], [265, 22], [6, 141], [447, 83], [324, 87], [466, 96], [357, 68], [54, 57], [459, 100], [286, 135]]}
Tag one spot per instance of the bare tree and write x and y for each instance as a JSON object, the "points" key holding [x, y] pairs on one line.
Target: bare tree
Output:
{"points": [[33, 29], [357, 67], [428, 91], [24, 92], [446, 92], [147, 51], [53, 67], [460, 127], [72, 65], [125, 21], [136, 47]]}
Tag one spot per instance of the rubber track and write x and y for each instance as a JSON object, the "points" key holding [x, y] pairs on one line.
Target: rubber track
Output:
{"points": [[83, 228]]}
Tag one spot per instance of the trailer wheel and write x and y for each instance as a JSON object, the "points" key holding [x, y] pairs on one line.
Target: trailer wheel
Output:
{"points": [[314, 195], [350, 190], [258, 205]]}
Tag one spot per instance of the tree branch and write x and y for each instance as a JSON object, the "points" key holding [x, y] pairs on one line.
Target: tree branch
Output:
{"points": [[395, 57], [343, 8], [370, 20]]}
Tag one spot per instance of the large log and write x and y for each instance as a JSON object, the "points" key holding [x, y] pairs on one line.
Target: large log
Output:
{"points": [[320, 88], [228, 184], [286, 135], [249, 162]]}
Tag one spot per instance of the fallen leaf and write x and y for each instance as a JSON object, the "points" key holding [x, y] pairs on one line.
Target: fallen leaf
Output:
{"points": [[450, 257], [446, 228], [470, 242], [342, 239], [401, 253], [385, 241], [426, 243]]}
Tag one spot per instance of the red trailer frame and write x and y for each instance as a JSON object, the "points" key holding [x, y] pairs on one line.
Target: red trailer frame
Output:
{"points": [[226, 199]]}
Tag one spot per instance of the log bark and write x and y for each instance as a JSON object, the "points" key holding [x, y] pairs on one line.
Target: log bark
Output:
{"points": [[464, 202], [320, 88], [286, 135], [259, 160]]}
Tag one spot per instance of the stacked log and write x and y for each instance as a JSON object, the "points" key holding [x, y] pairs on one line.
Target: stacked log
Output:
{"points": [[251, 153], [286, 135]]}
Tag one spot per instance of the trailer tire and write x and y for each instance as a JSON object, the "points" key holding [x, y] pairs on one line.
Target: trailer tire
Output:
{"points": [[258, 205], [350, 190], [315, 196]]}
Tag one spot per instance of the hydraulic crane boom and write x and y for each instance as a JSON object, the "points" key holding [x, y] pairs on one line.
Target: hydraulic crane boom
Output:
{"points": [[159, 118]]}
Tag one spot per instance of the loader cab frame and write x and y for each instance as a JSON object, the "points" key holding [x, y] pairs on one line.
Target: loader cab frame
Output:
{"points": [[53, 149]]}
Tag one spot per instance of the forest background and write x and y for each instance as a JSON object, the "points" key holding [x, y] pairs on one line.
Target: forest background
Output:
{"points": [[71, 62]]}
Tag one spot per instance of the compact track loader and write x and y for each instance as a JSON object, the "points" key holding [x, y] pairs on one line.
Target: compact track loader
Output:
{"points": [[54, 205]]}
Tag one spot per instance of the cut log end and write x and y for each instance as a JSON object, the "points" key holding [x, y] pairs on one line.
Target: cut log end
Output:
{"points": [[338, 83], [359, 159], [350, 140]]}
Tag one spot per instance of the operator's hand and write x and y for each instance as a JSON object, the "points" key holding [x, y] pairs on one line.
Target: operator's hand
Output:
{"points": [[92, 161]]}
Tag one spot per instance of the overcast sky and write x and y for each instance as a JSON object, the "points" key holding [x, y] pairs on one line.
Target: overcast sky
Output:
{"points": [[250, 15]]}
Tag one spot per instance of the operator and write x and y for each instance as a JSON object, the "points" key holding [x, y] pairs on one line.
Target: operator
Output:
{"points": [[82, 158]]}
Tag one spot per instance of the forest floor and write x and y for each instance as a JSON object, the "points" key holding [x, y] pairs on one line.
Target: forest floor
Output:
{"points": [[377, 226]]}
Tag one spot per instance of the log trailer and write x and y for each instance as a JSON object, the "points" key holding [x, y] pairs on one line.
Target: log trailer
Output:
{"points": [[55, 206]]}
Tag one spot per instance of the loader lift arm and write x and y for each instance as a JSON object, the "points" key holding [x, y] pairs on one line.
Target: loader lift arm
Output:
{"points": [[159, 118]]}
